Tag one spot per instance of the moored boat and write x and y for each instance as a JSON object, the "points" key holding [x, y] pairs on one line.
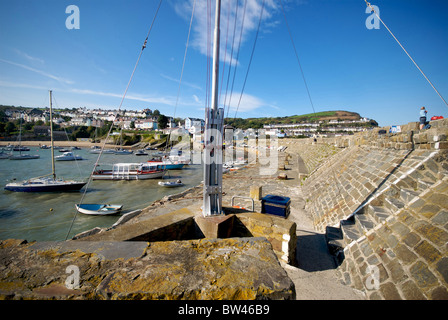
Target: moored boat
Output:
{"points": [[123, 152], [171, 184], [47, 183], [167, 163], [141, 152], [129, 171], [68, 156], [43, 184], [20, 148], [99, 209], [24, 156]]}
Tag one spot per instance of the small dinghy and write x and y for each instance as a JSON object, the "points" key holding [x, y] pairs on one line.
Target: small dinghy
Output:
{"points": [[171, 184], [99, 209]]}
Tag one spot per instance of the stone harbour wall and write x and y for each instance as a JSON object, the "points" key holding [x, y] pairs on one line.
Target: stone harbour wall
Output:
{"points": [[237, 268], [404, 257], [382, 201]]}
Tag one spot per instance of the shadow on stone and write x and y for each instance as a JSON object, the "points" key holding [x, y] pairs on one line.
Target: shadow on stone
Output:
{"points": [[312, 252]]}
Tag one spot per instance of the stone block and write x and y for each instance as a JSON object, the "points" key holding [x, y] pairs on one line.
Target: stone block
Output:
{"points": [[389, 291], [411, 291], [215, 226], [282, 176], [441, 145], [175, 225], [439, 293], [442, 268], [279, 231], [256, 192], [237, 268], [423, 277], [427, 251]]}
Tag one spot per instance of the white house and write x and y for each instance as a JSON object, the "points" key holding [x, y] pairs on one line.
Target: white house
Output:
{"points": [[145, 124], [190, 122]]}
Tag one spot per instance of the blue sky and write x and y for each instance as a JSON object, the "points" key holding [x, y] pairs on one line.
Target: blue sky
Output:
{"points": [[346, 65]]}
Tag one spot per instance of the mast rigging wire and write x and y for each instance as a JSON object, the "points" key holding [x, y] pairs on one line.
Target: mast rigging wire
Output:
{"points": [[116, 115], [237, 55], [297, 56], [415, 63], [250, 60]]}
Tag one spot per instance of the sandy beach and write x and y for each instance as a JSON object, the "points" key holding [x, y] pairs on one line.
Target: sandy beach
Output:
{"points": [[81, 144]]}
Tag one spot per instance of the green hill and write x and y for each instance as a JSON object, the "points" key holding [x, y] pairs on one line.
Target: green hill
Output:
{"points": [[325, 116]]}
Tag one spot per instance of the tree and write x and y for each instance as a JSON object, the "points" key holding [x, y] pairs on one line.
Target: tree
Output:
{"points": [[156, 113], [10, 127], [162, 122]]}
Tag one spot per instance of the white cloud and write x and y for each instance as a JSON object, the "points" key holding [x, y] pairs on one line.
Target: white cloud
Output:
{"points": [[248, 103], [43, 73], [28, 57], [228, 14], [191, 85], [137, 97]]}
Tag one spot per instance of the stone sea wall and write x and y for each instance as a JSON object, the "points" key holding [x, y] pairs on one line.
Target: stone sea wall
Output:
{"points": [[237, 268], [382, 201]]}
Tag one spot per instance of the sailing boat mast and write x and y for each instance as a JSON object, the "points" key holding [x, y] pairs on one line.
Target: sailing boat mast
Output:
{"points": [[212, 199], [53, 171]]}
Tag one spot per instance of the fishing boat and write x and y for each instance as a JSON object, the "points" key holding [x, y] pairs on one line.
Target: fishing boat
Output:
{"points": [[98, 151], [68, 156], [130, 171], [20, 148], [171, 184], [167, 163], [123, 152], [179, 158], [49, 182], [99, 209], [141, 152]]}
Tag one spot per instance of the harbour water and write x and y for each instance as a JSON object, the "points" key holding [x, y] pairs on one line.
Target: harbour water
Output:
{"points": [[47, 216]]}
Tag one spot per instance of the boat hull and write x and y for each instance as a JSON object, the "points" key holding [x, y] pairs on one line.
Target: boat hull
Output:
{"points": [[168, 165], [68, 158], [65, 187], [108, 175], [170, 184], [98, 209], [23, 157]]}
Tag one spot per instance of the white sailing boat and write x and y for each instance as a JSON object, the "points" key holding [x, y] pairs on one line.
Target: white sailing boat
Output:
{"points": [[49, 182], [20, 148]]}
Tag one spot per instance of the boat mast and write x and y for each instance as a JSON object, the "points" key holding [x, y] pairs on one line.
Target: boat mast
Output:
{"points": [[212, 200], [53, 171]]}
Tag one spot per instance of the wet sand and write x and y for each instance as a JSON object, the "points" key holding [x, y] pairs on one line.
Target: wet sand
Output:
{"points": [[80, 144]]}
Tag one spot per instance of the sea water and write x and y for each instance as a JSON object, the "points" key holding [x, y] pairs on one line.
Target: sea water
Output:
{"points": [[48, 216]]}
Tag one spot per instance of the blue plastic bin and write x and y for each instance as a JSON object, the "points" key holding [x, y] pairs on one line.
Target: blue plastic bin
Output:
{"points": [[276, 205]]}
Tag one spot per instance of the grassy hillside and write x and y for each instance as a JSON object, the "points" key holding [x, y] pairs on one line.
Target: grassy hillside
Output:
{"points": [[257, 123]]}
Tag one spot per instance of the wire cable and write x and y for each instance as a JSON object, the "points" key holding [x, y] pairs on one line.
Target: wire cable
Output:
{"points": [[116, 115], [415, 63], [250, 60], [297, 56]]}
